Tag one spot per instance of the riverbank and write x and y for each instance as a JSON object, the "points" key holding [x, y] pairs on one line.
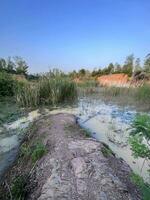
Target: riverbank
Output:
{"points": [[59, 161]]}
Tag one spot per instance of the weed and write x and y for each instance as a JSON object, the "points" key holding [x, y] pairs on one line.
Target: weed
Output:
{"points": [[25, 150], [38, 151], [106, 151], [145, 188], [86, 132], [18, 188]]}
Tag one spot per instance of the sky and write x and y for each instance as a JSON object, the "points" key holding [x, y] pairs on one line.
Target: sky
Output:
{"points": [[72, 34]]}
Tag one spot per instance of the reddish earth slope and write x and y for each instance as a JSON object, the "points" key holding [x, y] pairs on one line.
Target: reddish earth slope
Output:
{"points": [[114, 80]]}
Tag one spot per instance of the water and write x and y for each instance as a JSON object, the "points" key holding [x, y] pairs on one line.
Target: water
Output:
{"points": [[107, 122], [10, 138], [111, 124]]}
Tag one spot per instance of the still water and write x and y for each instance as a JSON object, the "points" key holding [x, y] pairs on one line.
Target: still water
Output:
{"points": [[107, 122]]}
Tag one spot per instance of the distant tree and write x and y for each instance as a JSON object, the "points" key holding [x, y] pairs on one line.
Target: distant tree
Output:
{"points": [[73, 74], [21, 66], [33, 77], [110, 68], [118, 68], [10, 66], [147, 64], [137, 66], [129, 65], [82, 72]]}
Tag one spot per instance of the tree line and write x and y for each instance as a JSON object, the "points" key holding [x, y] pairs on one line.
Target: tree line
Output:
{"points": [[130, 67], [15, 65]]}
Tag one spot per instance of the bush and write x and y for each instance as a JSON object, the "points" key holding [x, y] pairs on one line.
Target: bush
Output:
{"points": [[6, 84], [140, 136]]}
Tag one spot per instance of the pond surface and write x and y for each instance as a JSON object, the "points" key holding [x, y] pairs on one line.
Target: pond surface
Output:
{"points": [[107, 122]]}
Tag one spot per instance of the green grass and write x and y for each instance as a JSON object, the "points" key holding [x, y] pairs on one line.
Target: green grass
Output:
{"points": [[18, 189], [144, 188], [88, 83], [38, 151], [34, 151]]}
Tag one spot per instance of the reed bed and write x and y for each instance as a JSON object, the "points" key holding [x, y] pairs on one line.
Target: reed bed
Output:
{"points": [[48, 90], [134, 96]]}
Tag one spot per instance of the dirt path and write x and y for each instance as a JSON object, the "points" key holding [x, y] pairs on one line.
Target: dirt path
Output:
{"points": [[75, 167]]}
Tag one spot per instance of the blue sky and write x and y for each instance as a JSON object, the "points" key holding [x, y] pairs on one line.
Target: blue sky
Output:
{"points": [[70, 34]]}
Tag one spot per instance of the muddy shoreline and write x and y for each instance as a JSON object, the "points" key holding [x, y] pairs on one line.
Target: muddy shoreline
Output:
{"points": [[73, 167]]}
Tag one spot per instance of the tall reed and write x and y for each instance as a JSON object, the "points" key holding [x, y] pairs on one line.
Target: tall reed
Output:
{"points": [[49, 90]]}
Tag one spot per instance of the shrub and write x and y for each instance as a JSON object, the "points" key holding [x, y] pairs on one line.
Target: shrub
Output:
{"points": [[140, 136], [6, 84], [139, 141]]}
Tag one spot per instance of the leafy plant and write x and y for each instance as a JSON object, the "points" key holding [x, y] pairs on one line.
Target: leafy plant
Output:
{"points": [[6, 84], [140, 136]]}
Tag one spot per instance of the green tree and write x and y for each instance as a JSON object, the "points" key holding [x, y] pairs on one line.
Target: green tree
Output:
{"points": [[73, 74], [147, 64], [129, 65], [82, 72], [21, 66]]}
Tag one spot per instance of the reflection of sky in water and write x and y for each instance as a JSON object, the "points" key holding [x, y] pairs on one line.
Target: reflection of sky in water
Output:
{"points": [[92, 108]]}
